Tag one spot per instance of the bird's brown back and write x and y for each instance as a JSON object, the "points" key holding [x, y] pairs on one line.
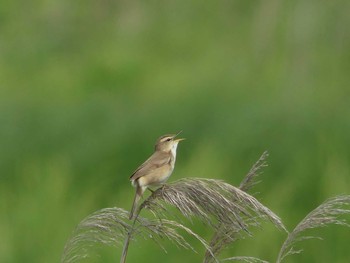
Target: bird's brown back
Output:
{"points": [[156, 160]]}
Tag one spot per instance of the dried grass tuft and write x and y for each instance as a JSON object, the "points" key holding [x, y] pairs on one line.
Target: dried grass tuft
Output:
{"points": [[211, 201], [104, 227], [225, 235], [250, 179], [328, 213], [111, 227]]}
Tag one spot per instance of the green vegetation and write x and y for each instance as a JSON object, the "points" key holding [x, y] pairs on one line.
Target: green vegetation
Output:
{"points": [[87, 87]]}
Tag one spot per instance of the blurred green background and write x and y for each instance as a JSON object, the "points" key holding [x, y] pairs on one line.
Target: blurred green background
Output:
{"points": [[88, 86]]}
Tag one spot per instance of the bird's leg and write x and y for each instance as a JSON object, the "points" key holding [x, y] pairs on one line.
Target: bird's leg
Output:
{"points": [[152, 191]]}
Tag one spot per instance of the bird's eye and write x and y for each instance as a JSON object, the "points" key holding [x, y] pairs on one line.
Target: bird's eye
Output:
{"points": [[168, 140]]}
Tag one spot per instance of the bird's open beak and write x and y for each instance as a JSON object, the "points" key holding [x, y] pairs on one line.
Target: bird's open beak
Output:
{"points": [[178, 140]]}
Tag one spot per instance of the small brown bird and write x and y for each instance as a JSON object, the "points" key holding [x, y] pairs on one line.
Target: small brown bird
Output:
{"points": [[156, 169]]}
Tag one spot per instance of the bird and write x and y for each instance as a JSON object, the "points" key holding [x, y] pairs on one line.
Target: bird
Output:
{"points": [[156, 170]]}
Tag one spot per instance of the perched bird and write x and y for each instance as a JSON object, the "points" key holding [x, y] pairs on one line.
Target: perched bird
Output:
{"points": [[156, 169]]}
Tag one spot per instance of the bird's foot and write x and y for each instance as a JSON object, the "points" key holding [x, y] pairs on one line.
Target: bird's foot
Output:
{"points": [[162, 188]]}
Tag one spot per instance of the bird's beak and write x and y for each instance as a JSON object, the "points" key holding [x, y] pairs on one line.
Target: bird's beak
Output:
{"points": [[178, 140]]}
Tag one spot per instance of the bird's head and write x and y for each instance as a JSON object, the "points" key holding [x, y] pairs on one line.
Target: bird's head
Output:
{"points": [[168, 142]]}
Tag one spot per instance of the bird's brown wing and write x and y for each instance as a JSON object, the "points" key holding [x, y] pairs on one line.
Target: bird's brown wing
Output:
{"points": [[156, 160]]}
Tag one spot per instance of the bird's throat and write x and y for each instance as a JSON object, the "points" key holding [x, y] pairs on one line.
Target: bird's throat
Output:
{"points": [[173, 151]]}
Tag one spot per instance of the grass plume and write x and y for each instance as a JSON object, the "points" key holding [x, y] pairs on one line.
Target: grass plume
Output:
{"points": [[225, 235], [250, 179], [211, 201], [229, 210], [328, 213], [107, 226], [110, 226]]}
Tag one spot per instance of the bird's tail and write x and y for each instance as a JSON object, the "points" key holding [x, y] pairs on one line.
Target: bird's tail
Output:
{"points": [[139, 192]]}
